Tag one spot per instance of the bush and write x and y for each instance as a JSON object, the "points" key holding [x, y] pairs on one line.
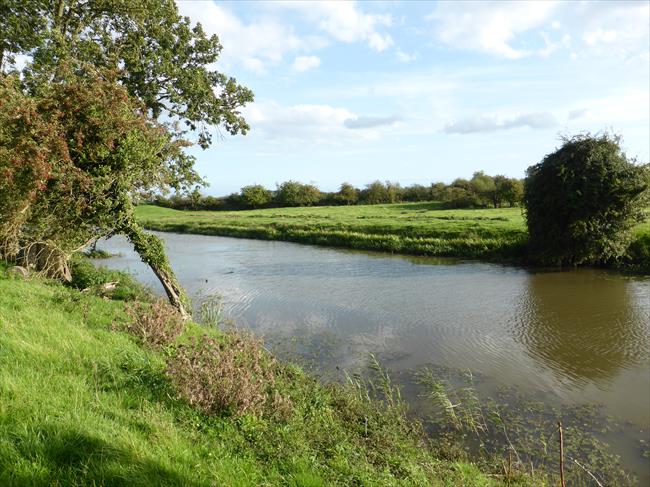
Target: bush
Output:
{"points": [[86, 276], [234, 376], [583, 200], [156, 325]]}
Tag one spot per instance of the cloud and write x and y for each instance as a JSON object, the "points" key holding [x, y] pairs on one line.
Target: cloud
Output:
{"points": [[303, 123], [487, 123], [515, 30], [622, 108], [578, 113], [254, 45], [305, 63], [489, 27], [620, 28], [313, 124], [405, 57], [344, 21], [364, 122]]}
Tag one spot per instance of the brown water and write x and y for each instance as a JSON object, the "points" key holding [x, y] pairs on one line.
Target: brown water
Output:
{"points": [[571, 337]]}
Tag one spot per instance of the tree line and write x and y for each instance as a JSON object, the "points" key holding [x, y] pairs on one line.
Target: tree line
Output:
{"points": [[481, 191]]}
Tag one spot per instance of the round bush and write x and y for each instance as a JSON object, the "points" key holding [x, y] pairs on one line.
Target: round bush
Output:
{"points": [[583, 200]]}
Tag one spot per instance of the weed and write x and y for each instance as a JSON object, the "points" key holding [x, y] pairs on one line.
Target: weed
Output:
{"points": [[233, 376], [157, 325]]}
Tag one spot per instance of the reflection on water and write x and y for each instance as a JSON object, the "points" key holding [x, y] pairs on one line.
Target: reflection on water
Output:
{"points": [[585, 325], [573, 337]]}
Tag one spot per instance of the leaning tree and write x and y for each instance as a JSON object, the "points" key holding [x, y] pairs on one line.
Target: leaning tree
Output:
{"points": [[583, 200], [115, 88]]}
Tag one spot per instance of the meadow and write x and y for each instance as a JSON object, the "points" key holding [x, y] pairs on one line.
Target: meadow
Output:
{"points": [[405, 228]]}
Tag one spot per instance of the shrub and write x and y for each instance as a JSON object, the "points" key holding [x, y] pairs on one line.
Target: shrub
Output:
{"points": [[157, 324], [583, 200], [234, 376], [85, 275]]}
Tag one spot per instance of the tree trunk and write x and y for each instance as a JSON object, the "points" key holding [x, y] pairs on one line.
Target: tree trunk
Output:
{"points": [[152, 252], [172, 289]]}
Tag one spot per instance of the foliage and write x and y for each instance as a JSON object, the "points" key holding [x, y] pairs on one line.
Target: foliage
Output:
{"points": [[460, 194], [156, 325], [293, 193], [86, 276], [101, 75], [347, 194], [161, 59], [98, 148], [583, 200], [255, 196], [232, 376]]}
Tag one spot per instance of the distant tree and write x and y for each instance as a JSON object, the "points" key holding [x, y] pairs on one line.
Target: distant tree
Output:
{"points": [[347, 194], [195, 198], [375, 193], [510, 190], [485, 188], [462, 184], [393, 192], [437, 191], [416, 192], [583, 200], [255, 196], [293, 193]]}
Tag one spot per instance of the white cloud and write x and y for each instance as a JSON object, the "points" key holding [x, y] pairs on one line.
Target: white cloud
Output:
{"points": [[627, 107], [344, 21], [313, 124], [305, 63], [255, 45], [517, 29], [405, 57], [620, 28], [490, 123], [365, 122], [578, 113], [490, 27]]}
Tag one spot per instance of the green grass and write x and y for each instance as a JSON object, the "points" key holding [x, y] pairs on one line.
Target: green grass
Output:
{"points": [[83, 404], [405, 228]]}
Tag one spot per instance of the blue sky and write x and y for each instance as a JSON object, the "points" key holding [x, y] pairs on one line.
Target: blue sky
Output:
{"points": [[418, 92]]}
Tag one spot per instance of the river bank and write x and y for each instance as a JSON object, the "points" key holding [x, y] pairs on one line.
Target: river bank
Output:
{"points": [[84, 401], [405, 228]]}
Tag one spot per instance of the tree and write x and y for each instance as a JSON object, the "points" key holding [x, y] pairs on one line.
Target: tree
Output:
{"points": [[255, 196], [484, 187], [98, 150], [293, 193], [347, 194], [583, 200], [375, 193], [160, 60], [510, 190]]}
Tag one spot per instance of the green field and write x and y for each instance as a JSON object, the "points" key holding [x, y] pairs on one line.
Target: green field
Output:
{"points": [[85, 404], [406, 228]]}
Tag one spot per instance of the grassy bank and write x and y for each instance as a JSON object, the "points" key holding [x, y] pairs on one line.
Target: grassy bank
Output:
{"points": [[84, 402], [406, 228]]}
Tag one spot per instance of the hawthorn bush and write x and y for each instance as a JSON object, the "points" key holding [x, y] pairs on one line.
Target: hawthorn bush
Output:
{"points": [[583, 200]]}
